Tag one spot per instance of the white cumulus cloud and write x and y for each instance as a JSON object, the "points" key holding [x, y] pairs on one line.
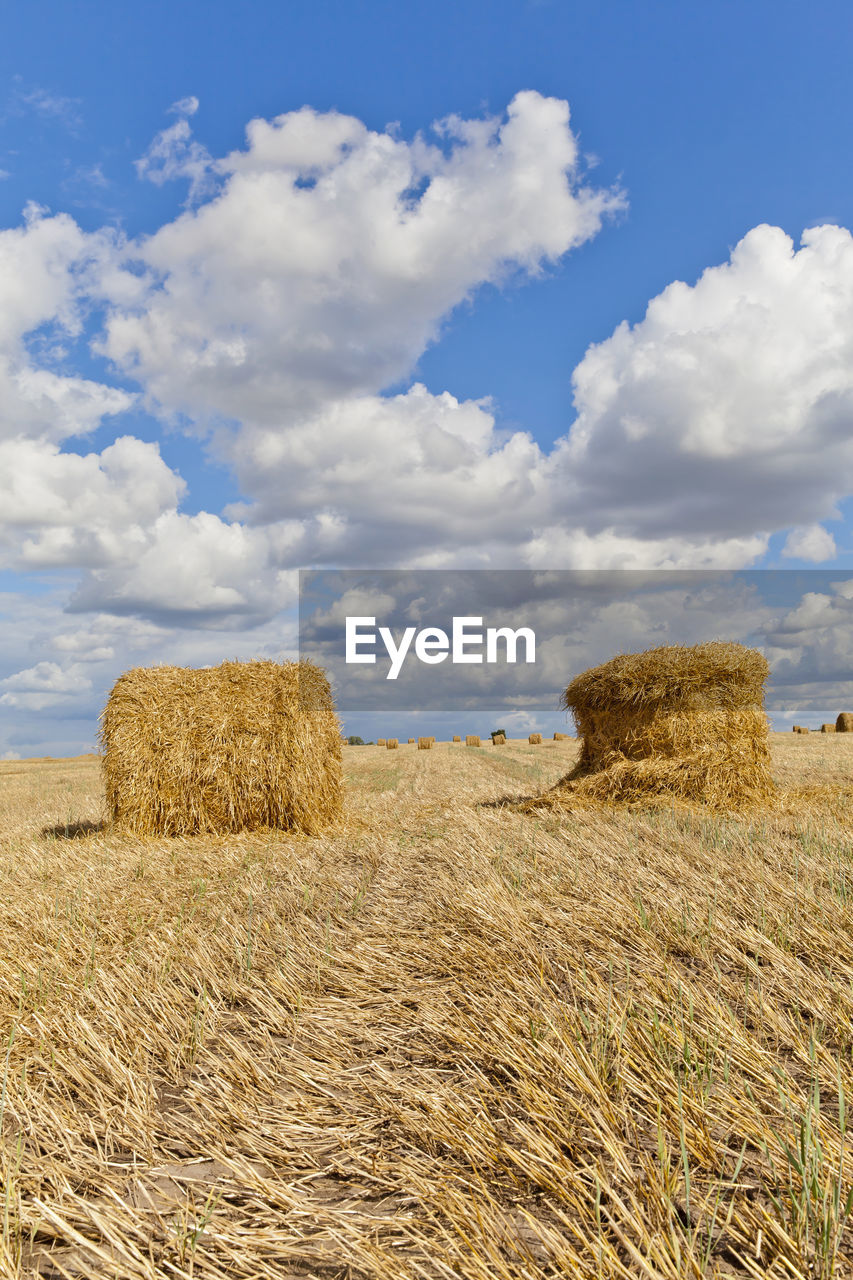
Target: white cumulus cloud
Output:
{"points": [[727, 411], [813, 543], [327, 262]]}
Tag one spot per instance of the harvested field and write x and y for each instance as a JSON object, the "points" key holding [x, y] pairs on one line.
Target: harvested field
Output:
{"points": [[445, 1039]]}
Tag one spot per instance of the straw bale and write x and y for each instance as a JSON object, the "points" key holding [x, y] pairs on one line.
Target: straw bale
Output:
{"points": [[392, 744], [499, 740], [827, 728], [238, 747], [534, 739], [380, 742], [678, 721], [472, 740], [424, 744], [411, 740], [844, 723], [456, 737], [561, 737]]}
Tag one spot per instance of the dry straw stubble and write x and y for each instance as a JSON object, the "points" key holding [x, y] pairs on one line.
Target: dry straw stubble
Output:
{"points": [[505, 1045], [238, 747]]}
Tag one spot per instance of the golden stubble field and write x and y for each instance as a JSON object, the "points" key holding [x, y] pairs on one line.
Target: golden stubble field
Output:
{"points": [[445, 1040]]}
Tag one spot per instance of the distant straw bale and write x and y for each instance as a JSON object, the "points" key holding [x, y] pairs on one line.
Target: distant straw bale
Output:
{"points": [[424, 744], [380, 742], [238, 747], [561, 737], [801, 728], [534, 739], [844, 723], [472, 740], [456, 737], [499, 740], [392, 744], [432, 742], [675, 722], [827, 728], [411, 740]]}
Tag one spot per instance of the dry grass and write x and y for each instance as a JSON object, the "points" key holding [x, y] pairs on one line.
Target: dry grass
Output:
{"points": [[241, 746], [445, 1040]]}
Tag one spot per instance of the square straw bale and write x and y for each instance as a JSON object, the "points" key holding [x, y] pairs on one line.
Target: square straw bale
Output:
{"points": [[238, 747]]}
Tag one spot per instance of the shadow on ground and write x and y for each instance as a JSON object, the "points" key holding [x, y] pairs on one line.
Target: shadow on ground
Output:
{"points": [[73, 830]]}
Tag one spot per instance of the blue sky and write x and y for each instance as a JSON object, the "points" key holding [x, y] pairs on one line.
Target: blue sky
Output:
{"points": [[229, 355]]}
